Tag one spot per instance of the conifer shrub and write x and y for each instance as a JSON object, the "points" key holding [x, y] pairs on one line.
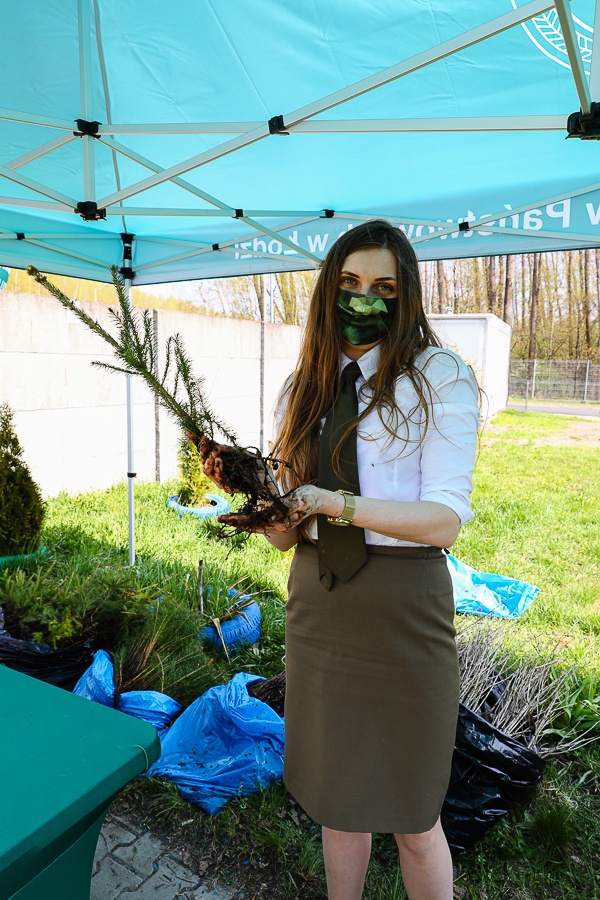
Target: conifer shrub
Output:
{"points": [[21, 505], [194, 483]]}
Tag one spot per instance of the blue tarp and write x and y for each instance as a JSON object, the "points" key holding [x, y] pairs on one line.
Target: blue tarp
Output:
{"points": [[244, 137], [488, 594]]}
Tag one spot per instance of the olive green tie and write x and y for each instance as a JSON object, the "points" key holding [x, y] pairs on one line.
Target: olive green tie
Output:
{"points": [[342, 550]]}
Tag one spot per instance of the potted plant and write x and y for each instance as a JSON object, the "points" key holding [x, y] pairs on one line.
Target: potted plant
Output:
{"points": [[22, 508], [195, 486], [234, 618]]}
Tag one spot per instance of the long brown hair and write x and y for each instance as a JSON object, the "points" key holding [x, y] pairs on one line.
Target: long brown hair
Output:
{"points": [[315, 383]]}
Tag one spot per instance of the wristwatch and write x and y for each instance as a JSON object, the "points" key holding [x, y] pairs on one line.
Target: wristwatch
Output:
{"points": [[347, 512]]}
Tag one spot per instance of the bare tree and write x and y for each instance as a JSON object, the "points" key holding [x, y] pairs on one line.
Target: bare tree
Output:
{"points": [[491, 283], [259, 286], [295, 289], [441, 286], [507, 305], [588, 264], [535, 293]]}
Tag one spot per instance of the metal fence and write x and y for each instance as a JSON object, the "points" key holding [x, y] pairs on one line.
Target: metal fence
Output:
{"points": [[555, 379]]}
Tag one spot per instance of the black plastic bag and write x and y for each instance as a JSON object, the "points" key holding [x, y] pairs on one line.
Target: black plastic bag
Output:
{"points": [[59, 667], [490, 773]]}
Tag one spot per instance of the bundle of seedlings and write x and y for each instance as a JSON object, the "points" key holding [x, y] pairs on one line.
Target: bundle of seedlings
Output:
{"points": [[164, 654], [521, 692], [178, 390], [271, 691]]}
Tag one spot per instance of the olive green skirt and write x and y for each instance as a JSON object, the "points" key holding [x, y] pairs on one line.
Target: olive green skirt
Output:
{"points": [[372, 691]]}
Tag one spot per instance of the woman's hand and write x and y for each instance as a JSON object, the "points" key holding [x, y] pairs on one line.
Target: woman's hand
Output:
{"points": [[305, 501]]}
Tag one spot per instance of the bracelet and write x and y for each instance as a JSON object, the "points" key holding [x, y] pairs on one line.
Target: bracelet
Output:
{"points": [[347, 512]]}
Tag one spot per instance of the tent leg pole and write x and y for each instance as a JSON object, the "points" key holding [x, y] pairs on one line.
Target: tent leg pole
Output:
{"points": [[130, 472], [130, 455]]}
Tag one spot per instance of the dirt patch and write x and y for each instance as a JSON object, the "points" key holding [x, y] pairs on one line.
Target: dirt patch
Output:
{"points": [[577, 433], [581, 431]]}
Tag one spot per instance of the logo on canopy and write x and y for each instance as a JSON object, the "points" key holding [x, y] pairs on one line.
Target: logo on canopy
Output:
{"points": [[545, 32]]}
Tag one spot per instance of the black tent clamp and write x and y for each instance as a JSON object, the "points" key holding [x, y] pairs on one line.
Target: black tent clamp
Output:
{"points": [[88, 128], [464, 226], [277, 126], [89, 212], [585, 126], [126, 271]]}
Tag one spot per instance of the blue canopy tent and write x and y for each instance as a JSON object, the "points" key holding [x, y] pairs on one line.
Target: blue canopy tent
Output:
{"points": [[206, 138]]}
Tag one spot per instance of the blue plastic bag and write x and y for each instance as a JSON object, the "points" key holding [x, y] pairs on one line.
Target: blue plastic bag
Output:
{"points": [[226, 744], [98, 682], [150, 706], [486, 594]]}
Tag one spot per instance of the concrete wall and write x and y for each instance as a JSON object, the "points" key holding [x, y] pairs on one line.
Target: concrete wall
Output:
{"points": [[482, 340], [71, 416]]}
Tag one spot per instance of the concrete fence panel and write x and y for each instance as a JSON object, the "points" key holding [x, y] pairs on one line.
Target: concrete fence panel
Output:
{"points": [[71, 416]]}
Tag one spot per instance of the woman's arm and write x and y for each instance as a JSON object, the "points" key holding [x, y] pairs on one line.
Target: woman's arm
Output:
{"points": [[283, 541], [419, 521]]}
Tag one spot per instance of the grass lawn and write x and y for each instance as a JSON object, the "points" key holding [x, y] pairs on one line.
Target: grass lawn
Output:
{"points": [[537, 505]]}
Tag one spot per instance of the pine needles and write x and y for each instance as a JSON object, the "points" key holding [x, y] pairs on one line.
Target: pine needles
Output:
{"points": [[176, 387], [181, 393]]}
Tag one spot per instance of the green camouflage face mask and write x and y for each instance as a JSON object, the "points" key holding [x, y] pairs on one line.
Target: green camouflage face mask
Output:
{"points": [[364, 319]]}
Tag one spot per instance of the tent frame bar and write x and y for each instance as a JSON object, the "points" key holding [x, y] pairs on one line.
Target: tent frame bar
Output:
{"points": [[96, 262], [85, 88], [40, 151], [186, 185], [326, 126], [213, 213], [572, 46], [23, 118], [595, 65], [392, 73], [421, 60], [36, 186], [484, 123], [200, 250]]}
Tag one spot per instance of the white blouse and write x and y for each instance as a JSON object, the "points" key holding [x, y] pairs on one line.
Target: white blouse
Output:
{"points": [[437, 466]]}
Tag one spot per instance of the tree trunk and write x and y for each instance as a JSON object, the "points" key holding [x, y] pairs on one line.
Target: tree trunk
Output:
{"points": [[259, 286], [587, 301], [441, 286], [491, 283], [535, 293], [507, 308], [597, 254]]}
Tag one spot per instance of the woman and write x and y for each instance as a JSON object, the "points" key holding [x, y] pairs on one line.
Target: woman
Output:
{"points": [[372, 674]]}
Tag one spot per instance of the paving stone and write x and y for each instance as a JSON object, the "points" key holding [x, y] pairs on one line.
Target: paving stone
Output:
{"points": [[174, 872], [141, 856], [162, 886], [116, 835], [111, 879]]}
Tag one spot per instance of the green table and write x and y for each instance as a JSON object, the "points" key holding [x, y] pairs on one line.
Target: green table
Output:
{"points": [[64, 760]]}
